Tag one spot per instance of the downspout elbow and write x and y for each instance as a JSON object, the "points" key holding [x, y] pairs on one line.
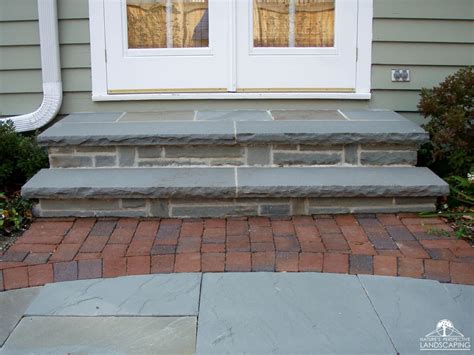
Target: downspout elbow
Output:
{"points": [[51, 71]]}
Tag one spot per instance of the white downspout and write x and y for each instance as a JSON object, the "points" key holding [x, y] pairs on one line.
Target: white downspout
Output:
{"points": [[51, 71]]}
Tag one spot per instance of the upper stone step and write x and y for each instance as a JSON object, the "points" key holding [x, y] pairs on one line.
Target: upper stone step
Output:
{"points": [[328, 127]]}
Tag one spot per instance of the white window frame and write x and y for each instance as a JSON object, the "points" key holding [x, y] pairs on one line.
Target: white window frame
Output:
{"points": [[99, 66]]}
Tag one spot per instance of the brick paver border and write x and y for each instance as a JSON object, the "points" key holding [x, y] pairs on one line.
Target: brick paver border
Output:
{"points": [[54, 250]]}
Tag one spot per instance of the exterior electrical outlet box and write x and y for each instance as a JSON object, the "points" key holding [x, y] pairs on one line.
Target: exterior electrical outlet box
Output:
{"points": [[401, 75]]}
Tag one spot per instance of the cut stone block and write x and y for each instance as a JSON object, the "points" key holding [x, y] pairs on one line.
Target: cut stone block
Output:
{"points": [[306, 158], [203, 151], [87, 204], [126, 156], [159, 208], [351, 154], [275, 210], [103, 161], [258, 155], [70, 161], [149, 152], [219, 210], [388, 157], [133, 203]]}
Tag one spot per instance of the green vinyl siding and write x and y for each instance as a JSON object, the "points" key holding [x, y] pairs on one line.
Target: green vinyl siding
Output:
{"points": [[432, 38], [26, 32], [424, 9], [25, 10], [420, 31], [28, 57]]}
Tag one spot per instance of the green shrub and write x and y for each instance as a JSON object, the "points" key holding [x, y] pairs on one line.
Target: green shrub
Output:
{"points": [[15, 212], [20, 157], [458, 209], [462, 191], [450, 107]]}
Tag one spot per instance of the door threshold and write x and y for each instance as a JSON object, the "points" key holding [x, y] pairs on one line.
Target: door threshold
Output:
{"points": [[230, 96]]}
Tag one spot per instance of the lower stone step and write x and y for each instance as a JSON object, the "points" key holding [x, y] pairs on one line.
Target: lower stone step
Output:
{"points": [[221, 192]]}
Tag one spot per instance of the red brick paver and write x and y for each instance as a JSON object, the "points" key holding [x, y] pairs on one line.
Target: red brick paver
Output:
{"points": [[401, 244], [89, 269], [385, 265], [138, 265], [311, 262], [187, 262], [338, 263], [162, 263], [238, 261], [212, 262], [39, 275]]}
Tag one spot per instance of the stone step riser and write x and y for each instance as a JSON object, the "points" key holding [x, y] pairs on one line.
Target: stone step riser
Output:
{"points": [[194, 208], [233, 155]]}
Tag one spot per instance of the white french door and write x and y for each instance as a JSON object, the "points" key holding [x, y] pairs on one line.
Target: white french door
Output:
{"points": [[296, 45], [166, 45], [155, 46]]}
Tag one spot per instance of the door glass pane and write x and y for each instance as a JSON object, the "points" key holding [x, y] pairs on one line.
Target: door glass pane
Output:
{"points": [[293, 23], [167, 23]]}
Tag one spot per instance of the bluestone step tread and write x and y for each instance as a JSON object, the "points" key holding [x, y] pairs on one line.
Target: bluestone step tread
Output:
{"points": [[334, 132], [234, 182], [234, 127], [139, 133]]}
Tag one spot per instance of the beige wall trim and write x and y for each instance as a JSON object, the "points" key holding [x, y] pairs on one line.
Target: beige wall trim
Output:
{"points": [[296, 90], [243, 90], [152, 91]]}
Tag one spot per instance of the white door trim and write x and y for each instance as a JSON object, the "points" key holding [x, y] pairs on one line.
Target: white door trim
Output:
{"points": [[99, 66]]}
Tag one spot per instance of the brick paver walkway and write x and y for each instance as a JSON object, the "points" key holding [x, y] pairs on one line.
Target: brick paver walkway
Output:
{"points": [[385, 244]]}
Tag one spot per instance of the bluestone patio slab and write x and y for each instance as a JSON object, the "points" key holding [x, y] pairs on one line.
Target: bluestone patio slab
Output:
{"points": [[339, 182], [148, 295], [265, 313], [323, 115], [410, 308], [139, 133], [463, 296], [13, 305], [330, 132], [137, 182], [103, 335], [92, 117], [233, 115], [158, 116], [372, 115]]}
